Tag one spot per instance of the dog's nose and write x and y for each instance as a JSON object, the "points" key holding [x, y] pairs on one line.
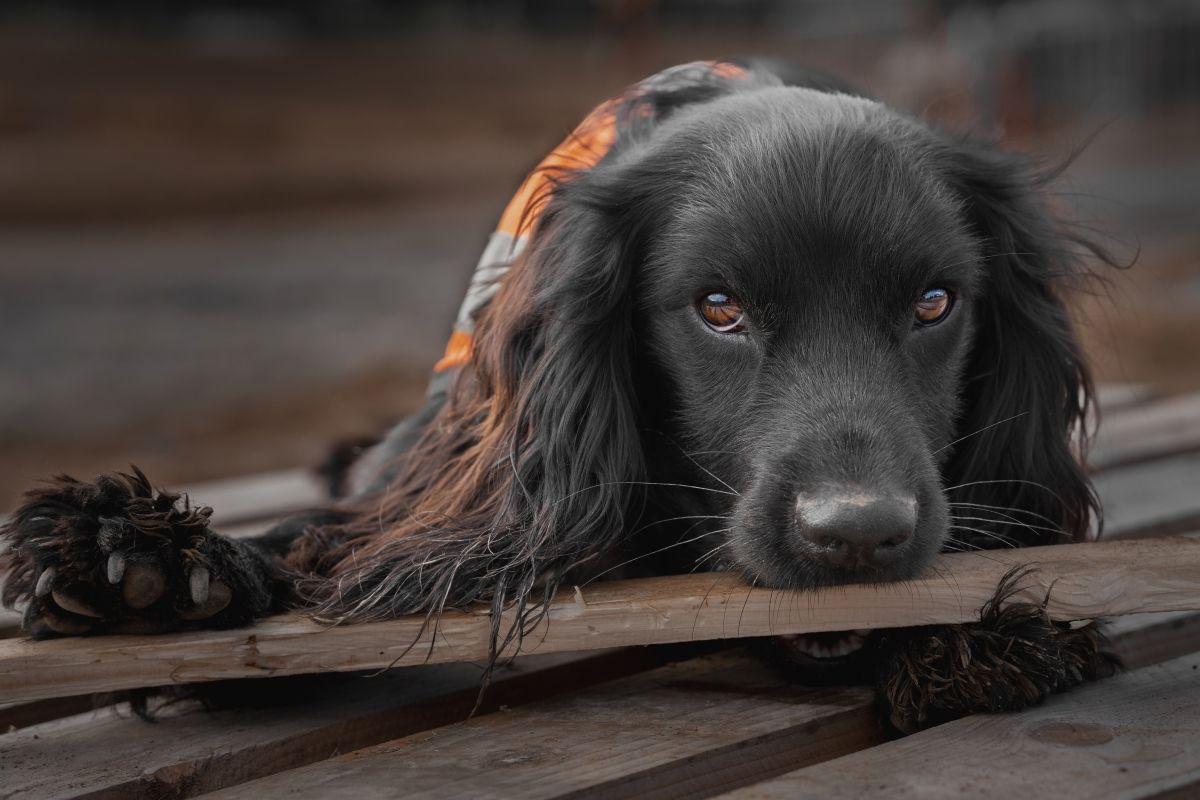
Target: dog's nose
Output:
{"points": [[849, 527]]}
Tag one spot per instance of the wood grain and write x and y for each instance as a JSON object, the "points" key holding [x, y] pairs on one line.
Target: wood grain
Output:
{"points": [[189, 750], [1088, 581], [1151, 431], [1143, 639], [1134, 736], [1158, 498], [690, 730], [680, 731]]}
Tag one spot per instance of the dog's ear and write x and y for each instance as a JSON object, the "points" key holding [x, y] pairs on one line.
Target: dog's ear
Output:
{"points": [[1027, 388], [555, 356], [532, 464]]}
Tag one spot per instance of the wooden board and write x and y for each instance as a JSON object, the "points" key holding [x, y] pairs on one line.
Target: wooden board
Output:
{"points": [[1137, 735], [1121, 397], [637, 738], [256, 497], [192, 751], [1142, 639], [658, 735], [1158, 498], [1164, 428], [189, 750], [1088, 581]]}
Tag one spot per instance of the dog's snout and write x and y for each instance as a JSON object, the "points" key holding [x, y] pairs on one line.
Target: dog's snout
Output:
{"points": [[855, 528]]}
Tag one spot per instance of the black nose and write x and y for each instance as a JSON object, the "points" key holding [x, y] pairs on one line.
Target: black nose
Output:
{"points": [[851, 527]]}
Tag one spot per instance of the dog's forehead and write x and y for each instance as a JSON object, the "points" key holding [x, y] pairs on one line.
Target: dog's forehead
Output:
{"points": [[799, 187]]}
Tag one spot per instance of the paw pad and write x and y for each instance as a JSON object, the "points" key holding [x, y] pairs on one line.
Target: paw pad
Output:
{"points": [[118, 555]]}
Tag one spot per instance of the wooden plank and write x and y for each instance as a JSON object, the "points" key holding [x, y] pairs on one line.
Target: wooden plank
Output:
{"points": [[1089, 581], [1120, 397], [186, 753], [1143, 639], [14, 716], [680, 731], [1158, 498], [189, 750], [1165, 428], [1134, 736], [257, 497], [663, 734]]}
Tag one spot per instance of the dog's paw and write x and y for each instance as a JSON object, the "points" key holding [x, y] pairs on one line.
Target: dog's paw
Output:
{"points": [[1013, 658], [118, 556]]}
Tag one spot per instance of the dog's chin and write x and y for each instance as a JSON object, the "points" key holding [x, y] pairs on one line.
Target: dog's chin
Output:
{"points": [[773, 565]]}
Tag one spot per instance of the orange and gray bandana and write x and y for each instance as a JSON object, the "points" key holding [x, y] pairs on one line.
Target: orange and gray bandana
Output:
{"points": [[582, 149]]}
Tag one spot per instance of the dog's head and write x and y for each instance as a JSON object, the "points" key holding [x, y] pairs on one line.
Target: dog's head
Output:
{"points": [[843, 325], [824, 335]]}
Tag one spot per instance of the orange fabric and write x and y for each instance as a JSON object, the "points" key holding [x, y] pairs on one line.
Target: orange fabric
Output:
{"points": [[458, 352], [582, 149]]}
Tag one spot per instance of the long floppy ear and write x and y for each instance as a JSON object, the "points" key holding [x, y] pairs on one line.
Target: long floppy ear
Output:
{"points": [[531, 466], [1027, 389]]}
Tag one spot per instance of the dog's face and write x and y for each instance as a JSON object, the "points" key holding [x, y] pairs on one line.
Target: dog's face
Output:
{"points": [[809, 300], [844, 327], [805, 304], [829, 334]]}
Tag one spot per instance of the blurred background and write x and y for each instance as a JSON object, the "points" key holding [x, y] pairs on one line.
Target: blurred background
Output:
{"points": [[231, 233]]}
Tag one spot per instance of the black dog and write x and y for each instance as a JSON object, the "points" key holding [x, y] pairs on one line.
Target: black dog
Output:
{"points": [[743, 320]]}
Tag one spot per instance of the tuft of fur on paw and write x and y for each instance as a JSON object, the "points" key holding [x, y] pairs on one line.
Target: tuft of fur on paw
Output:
{"points": [[118, 555], [1013, 658]]}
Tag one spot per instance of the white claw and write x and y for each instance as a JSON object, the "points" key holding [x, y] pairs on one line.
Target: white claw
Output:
{"points": [[45, 582], [198, 583], [116, 568]]}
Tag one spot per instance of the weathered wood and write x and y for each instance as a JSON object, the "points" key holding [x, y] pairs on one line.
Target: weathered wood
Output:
{"points": [[680, 731], [673, 733], [1142, 639], [1088, 581], [1121, 397], [1134, 736], [1156, 430], [1158, 498], [14, 716], [257, 497], [188, 750]]}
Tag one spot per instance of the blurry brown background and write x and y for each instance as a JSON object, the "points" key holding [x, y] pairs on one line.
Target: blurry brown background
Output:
{"points": [[233, 232]]}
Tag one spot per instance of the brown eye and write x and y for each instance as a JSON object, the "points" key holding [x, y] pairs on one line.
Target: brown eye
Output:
{"points": [[933, 306], [721, 312]]}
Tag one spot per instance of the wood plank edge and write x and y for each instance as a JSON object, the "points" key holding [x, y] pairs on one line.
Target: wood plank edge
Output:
{"points": [[1088, 581]]}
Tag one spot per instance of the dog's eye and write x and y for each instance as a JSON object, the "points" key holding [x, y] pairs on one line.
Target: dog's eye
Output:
{"points": [[933, 306], [721, 312]]}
